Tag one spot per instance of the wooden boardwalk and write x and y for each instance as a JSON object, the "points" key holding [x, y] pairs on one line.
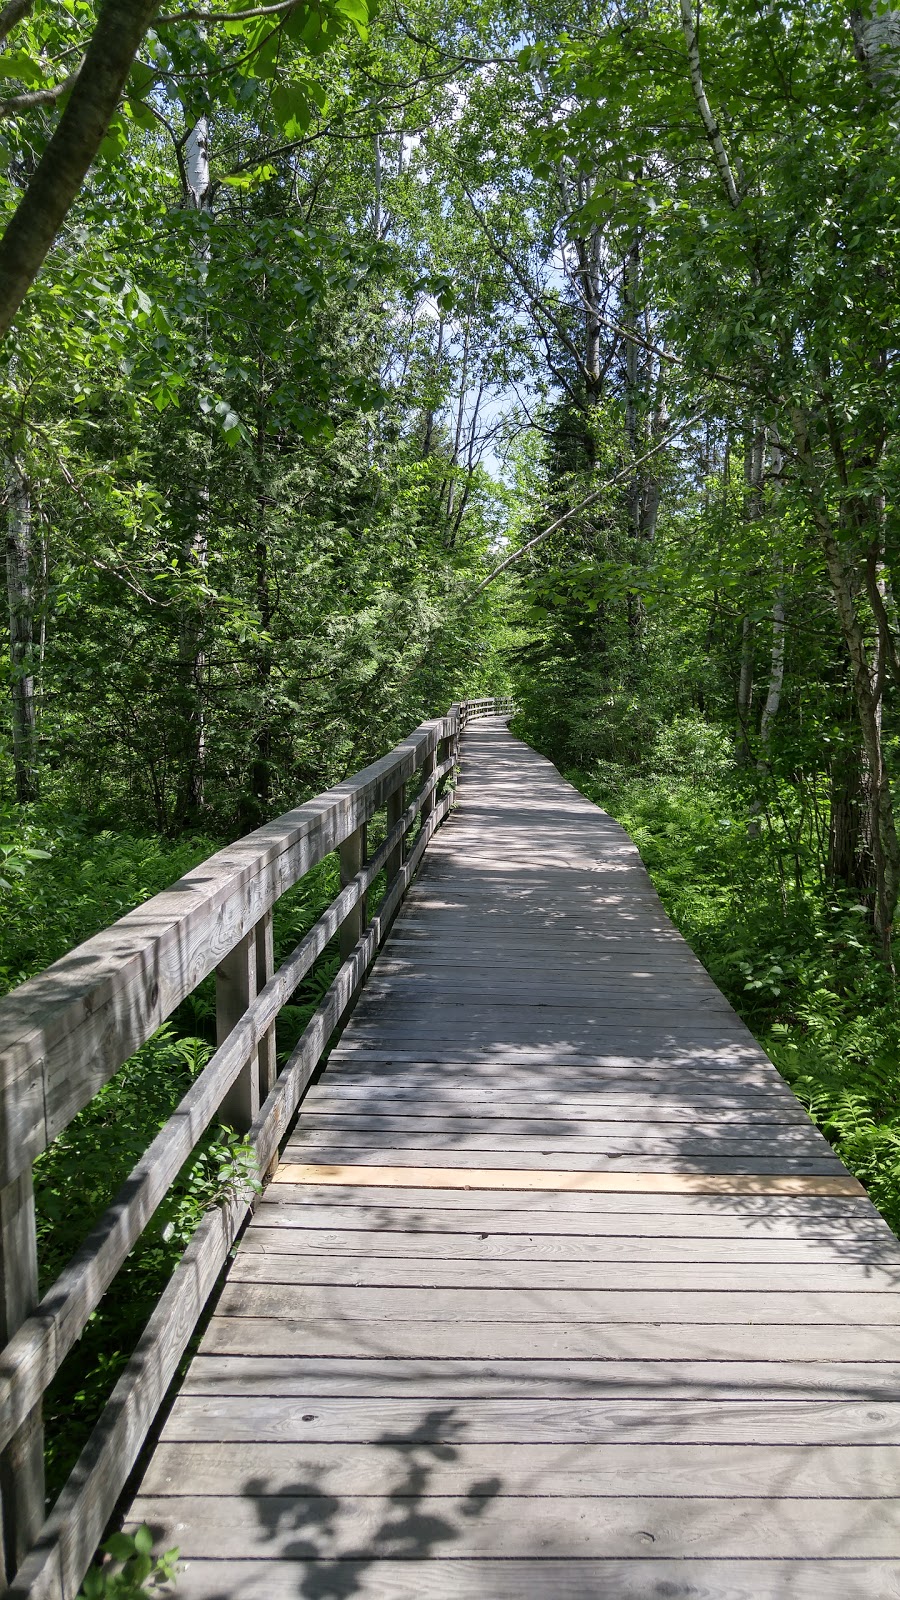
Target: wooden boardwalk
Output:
{"points": [[557, 1292]]}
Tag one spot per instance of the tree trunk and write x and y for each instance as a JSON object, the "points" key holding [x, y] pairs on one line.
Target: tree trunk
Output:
{"points": [[83, 125], [191, 650], [882, 822], [745, 689], [776, 669], [20, 592], [261, 766], [850, 856], [753, 477]]}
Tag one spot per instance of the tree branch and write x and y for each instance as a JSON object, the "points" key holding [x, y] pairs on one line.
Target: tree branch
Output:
{"points": [[620, 477], [229, 16], [81, 129], [33, 98], [12, 14]]}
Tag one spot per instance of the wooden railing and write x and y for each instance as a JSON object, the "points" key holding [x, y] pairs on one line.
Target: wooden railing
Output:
{"points": [[488, 706], [65, 1033]]}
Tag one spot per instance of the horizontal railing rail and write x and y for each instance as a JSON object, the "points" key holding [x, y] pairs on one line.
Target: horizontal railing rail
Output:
{"points": [[65, 1033]]}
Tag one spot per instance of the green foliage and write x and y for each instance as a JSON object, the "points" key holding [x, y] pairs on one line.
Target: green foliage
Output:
{"points": [[66, 881], [130, 1572]]}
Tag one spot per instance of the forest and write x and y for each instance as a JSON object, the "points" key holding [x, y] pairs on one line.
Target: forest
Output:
{"points": [[360, 358]]}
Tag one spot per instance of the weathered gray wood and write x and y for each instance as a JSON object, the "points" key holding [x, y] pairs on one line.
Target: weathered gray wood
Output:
{"points": [[371, 1578], [465, 1107], [402, 1366], [235, 991], [565, 1066], [56, 1565], [34, 1354], [446, 1272], [395, 806], [555, 1470], [301, 1376], [323, 1418], [352, 858], [381, 1304], [22, 1458], [644, 1215], [428, 772], [265, 970], [492, 1523], [531, 1160], [632, 1137], [249, 996], [545, 1332], [277, 1234]]}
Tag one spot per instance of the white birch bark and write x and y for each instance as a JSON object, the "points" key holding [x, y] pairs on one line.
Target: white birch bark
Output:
{"points": [[20, 597], [710, 125], [192, 655], [876, 37], [196, 165], [376, 208], [776, 655]]}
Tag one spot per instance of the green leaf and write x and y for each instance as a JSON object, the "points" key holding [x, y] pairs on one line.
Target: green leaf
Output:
{"points": [[143, 1540], [16, 64], [292, 109], [119, 1546]]}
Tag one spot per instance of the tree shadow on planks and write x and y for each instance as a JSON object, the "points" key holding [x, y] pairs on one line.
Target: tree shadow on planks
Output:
{"points": [[300, 1521]]}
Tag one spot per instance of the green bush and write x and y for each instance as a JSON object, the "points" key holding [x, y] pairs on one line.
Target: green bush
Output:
{"points": [[130, 1571]]}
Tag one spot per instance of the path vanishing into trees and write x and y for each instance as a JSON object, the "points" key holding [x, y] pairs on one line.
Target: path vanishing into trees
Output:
{"points": [[556, 1290]]}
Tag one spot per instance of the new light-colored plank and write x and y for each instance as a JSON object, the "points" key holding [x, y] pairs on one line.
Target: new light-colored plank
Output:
{"points": [[469, 1175]]}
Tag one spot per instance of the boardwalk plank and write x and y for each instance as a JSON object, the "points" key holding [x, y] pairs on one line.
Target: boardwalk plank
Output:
{"points": [[371, 1578], [491, 1523], [323, 1418], [379, 1303], [548, 1469], [533, 1335]]}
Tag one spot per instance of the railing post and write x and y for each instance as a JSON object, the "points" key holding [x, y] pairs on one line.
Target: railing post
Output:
{"points": [[265, 969], [428, 767], [22, 1462], [395, 805], [352, 855], [235, 988], [455, 738]]}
